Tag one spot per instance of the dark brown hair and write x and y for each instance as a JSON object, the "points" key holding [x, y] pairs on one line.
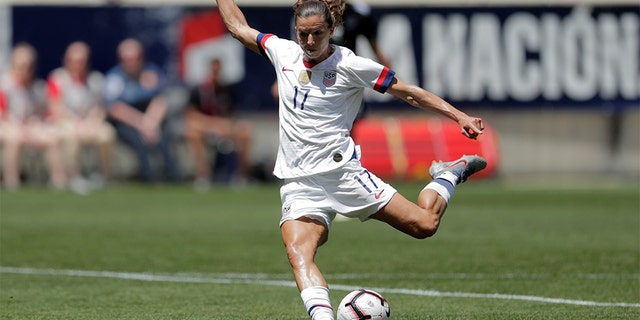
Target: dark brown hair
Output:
{"points": [[306, 8]]}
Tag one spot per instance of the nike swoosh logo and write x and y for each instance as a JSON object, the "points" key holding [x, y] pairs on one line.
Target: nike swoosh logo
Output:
{"points": [[285, 69], [379, 194], [457, 163]]}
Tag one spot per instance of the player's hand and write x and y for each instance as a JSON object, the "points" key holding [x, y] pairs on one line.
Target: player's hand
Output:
{"points": [[471, 127]]}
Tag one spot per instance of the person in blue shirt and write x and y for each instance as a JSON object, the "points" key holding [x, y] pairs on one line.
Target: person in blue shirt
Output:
{"points": [[136, 105]]}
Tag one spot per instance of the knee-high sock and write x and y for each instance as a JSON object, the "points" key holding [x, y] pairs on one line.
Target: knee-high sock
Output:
{"points": [[316, 301]]}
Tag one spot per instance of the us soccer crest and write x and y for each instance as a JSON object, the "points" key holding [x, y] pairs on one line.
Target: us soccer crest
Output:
{"points": [[329, 78], [304, 78]]}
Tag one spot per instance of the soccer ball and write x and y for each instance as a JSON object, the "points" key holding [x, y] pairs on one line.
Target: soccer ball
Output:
{"points": [[364, 304]]}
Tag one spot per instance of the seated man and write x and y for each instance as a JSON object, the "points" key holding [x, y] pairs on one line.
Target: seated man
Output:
{"points": [[210, 112], [135, 102], [75, 102], [22, 119]]}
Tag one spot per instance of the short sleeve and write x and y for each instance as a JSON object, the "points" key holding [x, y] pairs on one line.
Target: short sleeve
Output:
{"points": [[261, 40], [369, 73]]}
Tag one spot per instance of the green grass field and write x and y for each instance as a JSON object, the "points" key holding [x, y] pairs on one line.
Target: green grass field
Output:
{"points": [[133, 252]]}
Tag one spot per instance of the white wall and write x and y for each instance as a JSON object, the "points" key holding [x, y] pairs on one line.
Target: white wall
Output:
{"points": [[5, 36]]}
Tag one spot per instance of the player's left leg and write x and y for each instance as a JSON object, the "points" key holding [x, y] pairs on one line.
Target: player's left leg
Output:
{"points": [[301, 238], [419, 221], [422, 220]]}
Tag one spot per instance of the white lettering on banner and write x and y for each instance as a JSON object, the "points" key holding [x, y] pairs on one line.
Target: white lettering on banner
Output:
{"points": [[609, 33], [630, 26], [521, 36], [550, 57], [619, 45], [444, 54], [396, 41], [579, 47], [579, 56], [485, 58]]}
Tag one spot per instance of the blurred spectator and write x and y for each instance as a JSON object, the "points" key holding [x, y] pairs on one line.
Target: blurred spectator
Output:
{"points": [[22, 119], [75, 102], [210, 117], [356, 21], [135, 102]]}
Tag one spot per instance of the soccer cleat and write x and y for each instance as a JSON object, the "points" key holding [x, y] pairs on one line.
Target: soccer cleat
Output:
{"points": [[461, 168]]}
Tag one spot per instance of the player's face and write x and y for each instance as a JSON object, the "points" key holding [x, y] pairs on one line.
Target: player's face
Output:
{"points": [[313, 36]]}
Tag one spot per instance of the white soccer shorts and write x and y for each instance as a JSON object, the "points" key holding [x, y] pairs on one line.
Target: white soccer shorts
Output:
{"points": [[350, 190]]}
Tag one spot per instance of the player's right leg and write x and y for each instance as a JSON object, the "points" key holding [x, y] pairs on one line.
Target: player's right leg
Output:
{"points": [[305, 226], [301, 238]]}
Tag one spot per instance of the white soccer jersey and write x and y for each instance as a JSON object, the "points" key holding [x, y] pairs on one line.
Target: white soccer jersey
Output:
{"points": [[318, 104]]}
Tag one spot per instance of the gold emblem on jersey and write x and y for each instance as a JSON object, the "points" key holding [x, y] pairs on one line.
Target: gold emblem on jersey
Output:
{"points": [[304, 78]]}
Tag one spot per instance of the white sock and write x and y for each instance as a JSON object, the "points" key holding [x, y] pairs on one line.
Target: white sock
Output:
{"points": [[449, 176], [316, 301], [443, 187]]}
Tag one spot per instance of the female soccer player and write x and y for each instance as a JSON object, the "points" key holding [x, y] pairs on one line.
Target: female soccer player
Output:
{"points": [[320, 89]]}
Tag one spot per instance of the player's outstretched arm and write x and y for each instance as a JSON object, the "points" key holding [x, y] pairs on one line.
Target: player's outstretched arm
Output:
{"points": [[237, 24], [471, 127]]}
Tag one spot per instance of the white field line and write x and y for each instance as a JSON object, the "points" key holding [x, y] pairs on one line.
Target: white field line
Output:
{"points": [[486, 276], [263, 279]]}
